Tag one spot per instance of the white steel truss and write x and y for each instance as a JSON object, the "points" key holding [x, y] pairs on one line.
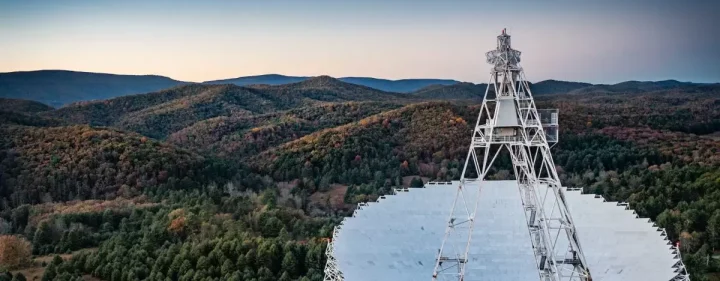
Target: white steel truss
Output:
{"points": [[332, 272], [509, 124]]}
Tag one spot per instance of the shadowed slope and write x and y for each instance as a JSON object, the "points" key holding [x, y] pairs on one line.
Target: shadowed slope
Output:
{"points": [[237, 137], [58, 87]]}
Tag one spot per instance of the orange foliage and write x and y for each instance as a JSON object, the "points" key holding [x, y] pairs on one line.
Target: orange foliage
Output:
{"points": [[177, 225], [14, 251]]}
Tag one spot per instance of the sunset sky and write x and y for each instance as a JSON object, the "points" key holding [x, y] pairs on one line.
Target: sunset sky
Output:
{"points": [[590, 41]]}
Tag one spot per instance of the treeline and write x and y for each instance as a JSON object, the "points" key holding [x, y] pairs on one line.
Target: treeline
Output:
{"points": [[201, 235], [681, 197], [674, 110]]}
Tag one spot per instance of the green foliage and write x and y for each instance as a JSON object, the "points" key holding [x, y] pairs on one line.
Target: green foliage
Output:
{"points": [[232, 241], [79, 162], [416, 182], [681, 197], [20, 217]]}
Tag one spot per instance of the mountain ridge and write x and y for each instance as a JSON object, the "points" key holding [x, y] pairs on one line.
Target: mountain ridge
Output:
{"points": [[64, 87], [388, 85], [60, 87], [159, 114]]}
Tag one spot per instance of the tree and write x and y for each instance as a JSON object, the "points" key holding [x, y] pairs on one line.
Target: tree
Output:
{"points": [[227, 268], [5, 227], [7, 276], [285, 277], [20, 216], [43, 236], [713, 229], [290, 264], [19, 277], [14, 251], [269, 198], [284, 235], [416, 182], [50, 272]]}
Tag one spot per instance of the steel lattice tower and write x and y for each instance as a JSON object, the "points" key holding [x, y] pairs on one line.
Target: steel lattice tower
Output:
{"points": [[510, 124]]}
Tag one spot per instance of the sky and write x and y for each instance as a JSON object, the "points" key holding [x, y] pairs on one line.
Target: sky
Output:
{"points": [[596, 41]]}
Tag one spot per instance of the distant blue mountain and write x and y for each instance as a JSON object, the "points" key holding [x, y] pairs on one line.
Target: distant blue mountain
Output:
{"points": [[469, 91], [59, 87], [637, 86], [398, 86], [556, 87]]}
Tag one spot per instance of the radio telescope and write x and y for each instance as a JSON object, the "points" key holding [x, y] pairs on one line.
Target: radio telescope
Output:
{"points": [[530, 228]]}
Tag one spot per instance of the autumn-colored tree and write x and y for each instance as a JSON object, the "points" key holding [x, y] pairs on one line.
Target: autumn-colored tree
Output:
{"points": [[14, 251], [177, 225]]}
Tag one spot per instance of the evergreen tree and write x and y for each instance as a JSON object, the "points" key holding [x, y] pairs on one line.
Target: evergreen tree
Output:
{"points": [[19, 277], [416, 182], [290, 264]]}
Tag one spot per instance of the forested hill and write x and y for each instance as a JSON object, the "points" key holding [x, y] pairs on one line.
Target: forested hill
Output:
{"points": [[20, 105], [240, 137], [469, 91], [24, 112], [59, 87], [161, 113], [460, 91], [50, 164], [227, 182], [425, 138], [398, 86]]}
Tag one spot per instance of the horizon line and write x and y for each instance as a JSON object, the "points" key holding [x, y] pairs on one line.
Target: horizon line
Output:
{"points": [[340, 77]]}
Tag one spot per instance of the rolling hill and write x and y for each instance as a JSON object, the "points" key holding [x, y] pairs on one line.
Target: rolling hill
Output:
{"points": [[328, 89], [637, 87], [238, 137], [40, 164], [423, 138], [547, 87], [313, 149], [159, 114], [398, 86], [60, 87], [266, 79], [20, 105], [459, 91], [23, 112], [470, 91]]}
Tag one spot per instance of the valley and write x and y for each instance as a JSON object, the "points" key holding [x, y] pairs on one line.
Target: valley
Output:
{"points": [[246, 182]]}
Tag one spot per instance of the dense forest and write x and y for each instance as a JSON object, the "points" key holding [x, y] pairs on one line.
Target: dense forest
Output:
{"points": [[222, 182]]}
